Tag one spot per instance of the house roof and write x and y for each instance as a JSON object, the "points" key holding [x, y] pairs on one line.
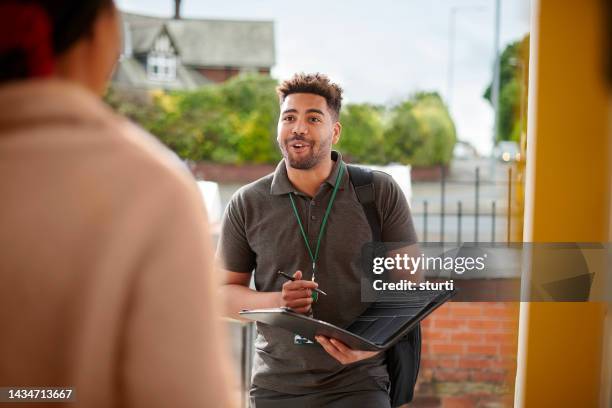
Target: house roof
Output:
{"points": [[208, 43]]}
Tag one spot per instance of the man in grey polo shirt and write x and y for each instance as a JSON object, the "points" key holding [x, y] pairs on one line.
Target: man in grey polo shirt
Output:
{"points": [[305, 219]]}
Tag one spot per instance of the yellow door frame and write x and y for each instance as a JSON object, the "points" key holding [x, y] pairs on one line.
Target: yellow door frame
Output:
{"points": [[561, 345]]}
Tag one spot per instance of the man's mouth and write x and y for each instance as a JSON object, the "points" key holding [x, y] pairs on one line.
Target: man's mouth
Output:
{"points": [[299, 146]]}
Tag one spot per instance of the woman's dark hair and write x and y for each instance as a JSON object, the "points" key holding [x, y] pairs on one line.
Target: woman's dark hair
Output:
{"points": [[33, 32]]}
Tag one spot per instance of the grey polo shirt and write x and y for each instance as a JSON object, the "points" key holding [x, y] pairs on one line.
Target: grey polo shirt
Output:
{"points": [[260, 233]]}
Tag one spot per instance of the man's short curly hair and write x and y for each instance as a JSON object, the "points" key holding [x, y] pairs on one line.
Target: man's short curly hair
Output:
{"points": [[318, 84]]}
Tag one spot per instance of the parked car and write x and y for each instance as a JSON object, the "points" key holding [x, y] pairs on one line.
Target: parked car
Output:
{"points": [[507, 151]]}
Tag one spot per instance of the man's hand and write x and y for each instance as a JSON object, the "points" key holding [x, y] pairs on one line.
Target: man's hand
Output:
{"points": [[297, 294], [341, 352]]}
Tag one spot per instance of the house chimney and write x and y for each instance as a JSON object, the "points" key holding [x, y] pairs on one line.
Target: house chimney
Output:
{"points": [[177, 9]]}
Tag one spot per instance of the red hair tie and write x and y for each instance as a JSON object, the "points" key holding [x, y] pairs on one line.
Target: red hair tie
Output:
{"points": [[26, 27]]}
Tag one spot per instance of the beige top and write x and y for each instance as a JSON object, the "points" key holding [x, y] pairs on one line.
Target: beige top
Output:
{"points": [[106, 279]]}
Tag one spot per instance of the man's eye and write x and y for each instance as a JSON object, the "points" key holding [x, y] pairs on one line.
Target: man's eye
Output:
{"points": [[288, 118], [315, 119]]}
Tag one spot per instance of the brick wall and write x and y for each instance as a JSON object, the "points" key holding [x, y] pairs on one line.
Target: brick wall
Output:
{"points": [[468, 356], [427, 173], [219, 75], [230, 173]]}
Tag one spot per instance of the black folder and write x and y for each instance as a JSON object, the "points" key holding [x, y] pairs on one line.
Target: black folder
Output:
{"points": [[380, 326]]}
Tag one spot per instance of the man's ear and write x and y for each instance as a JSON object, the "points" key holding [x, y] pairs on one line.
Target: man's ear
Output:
{"points": [[336, 132]]}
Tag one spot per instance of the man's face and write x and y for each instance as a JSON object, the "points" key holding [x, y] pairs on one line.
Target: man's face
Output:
{"points": [[306, 130]]}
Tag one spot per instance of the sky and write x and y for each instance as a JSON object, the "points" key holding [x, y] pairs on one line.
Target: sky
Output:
{"points": [[381, 51]]}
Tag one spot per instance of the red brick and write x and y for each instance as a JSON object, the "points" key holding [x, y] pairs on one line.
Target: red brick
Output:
{"points": [[447, 349], [502, 305], [446, 362], [483, 324], [449, 323], [509, 324], [436, 362], [458, 402], [466, 310], [483, 349], [229, 172], [425, 375], [510, 306], [425, 348], [435, 334], [508, 350], [427, 322], [504, 363], [499, 338], [450, 375], [427, 401], [427, 362], [444, 310], [497, 401], [467, 362], [467, 337], [489, 376], [501, 313]]}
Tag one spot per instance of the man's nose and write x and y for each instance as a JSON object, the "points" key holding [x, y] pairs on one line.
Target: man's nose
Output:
{"points": [[299, 127]]}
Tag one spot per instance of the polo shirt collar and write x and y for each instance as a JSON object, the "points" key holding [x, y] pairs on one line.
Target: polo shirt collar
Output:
{"points": [[282, 185]]}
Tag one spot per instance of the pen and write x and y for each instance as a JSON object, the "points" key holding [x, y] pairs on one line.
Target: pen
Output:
{"points": [[291, 278]]}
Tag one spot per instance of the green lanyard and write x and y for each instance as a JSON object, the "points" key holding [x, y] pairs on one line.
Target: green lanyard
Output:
{"points": [[323, 223]]}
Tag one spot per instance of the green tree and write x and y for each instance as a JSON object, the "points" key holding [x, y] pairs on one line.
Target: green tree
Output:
{"points": [[420, 132], [362, 133], [254, 100], [514, 66], [235, 122], [232, 122]]}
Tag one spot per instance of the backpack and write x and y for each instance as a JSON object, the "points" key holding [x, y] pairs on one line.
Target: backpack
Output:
{"points": [[404, 358]]}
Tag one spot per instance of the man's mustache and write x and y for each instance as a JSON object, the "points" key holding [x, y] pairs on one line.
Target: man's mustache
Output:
{"points": [[297, 138]]}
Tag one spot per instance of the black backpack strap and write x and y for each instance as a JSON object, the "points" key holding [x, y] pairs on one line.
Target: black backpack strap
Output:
{"points": [[404, 358], [363, 181]]}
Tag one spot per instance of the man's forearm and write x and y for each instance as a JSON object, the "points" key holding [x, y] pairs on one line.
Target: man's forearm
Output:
{"points": [[239, 297]]}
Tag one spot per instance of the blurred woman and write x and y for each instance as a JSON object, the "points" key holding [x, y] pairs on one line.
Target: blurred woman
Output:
{"points": [[106, 275]]}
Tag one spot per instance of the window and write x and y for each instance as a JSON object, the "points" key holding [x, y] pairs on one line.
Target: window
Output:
{"points": [[161, 67], [162, 60]]}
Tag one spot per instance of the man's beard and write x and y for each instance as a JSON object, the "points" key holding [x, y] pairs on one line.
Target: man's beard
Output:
{"points": [[317, 153]]}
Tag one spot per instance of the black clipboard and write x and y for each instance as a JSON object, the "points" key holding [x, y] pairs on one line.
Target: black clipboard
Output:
{"points": [[382, 324]]}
